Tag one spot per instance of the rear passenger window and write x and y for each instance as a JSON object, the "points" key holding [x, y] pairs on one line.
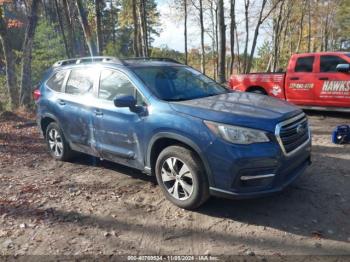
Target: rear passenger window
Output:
{"points": [[56, 81], [305, 64], [80, 81], [113, 83], [329, 63]]}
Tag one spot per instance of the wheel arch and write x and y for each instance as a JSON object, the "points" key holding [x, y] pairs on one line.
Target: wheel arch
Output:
{"points": [[162, 140], [255, 88], [48, 119], [45, 121]]}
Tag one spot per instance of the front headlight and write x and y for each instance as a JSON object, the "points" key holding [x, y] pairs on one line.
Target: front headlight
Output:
{"points": [[236, 134]]}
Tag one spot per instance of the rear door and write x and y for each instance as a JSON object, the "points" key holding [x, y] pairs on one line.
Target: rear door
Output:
{"points": [[75, 105], [300, 80], [332, 87], [118, 131]]}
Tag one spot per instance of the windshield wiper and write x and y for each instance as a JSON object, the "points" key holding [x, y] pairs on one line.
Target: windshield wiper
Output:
{"points": [[177, 99]]}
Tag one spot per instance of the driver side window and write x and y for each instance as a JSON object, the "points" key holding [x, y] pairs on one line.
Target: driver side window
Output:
{"points": [[113, 83], [329, 63]]}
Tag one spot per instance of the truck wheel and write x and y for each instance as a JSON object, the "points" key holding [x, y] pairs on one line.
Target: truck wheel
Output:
{"points": [[58, 147], [258, 91], [180, 175]]}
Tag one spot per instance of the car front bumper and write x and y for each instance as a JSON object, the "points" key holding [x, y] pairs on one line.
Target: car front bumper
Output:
{"points": [[255, 170]]}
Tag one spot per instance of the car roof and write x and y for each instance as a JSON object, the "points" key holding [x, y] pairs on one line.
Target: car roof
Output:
{"points": [[128, 62], [135, 63]]}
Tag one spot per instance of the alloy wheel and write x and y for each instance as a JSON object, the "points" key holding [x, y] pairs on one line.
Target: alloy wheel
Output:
{"points": [[177, 178], [55, 142]]}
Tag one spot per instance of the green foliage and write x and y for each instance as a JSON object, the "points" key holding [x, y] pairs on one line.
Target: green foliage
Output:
{"points": [[126, 19], [47, 49], [263, 58], [122, 46], [4, 101], [343, 24], [168, 53]]}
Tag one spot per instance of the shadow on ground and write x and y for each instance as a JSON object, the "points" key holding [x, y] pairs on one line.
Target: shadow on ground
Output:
{"points": [[309, 207], [328, 114]]}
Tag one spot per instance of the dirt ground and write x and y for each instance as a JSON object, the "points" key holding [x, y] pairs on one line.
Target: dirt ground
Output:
{"points": [[96, 207]]}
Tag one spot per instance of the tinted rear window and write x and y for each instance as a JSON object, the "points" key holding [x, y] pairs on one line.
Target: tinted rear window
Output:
{"points": [[56, 81], [305, 64]]}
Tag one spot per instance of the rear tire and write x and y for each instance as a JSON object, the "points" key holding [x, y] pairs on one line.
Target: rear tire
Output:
{"points": [[258, 91], [57, 144], [181, 176]]}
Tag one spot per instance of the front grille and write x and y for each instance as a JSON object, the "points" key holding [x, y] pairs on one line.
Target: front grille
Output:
{"points": [[293, 133]]}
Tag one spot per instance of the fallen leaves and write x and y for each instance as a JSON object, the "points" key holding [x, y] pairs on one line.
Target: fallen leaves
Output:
{"points": [[20, 141]]}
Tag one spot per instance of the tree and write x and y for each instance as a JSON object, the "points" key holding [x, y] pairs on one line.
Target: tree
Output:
{"points": [[48, 48], [246, 16], [136, 45], [200, 10], [342, 20], [26, 78], [213, 35], [185, 30], [60, 21], [86, 28], [222, 42], [301, 25], [9, 56], [232, 33], [261, 20], [281, 21], [309, 27], [201, 21], [99, 34], [143, 28], [70, 28]]}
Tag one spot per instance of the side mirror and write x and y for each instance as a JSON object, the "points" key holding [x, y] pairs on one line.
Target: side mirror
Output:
{"points": [[343, 68], [125, 101]]}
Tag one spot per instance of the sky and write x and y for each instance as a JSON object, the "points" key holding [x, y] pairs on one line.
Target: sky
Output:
{"points": [[172, 34]]}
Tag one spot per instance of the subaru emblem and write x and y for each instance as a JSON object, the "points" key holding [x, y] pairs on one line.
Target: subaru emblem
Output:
{"points": [[300, 129]]}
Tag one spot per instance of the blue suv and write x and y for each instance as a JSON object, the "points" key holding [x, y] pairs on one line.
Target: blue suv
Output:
{"points": [[167, 119]]}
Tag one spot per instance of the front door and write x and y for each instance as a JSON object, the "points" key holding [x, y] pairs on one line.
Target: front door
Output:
{"points": [[118, 131], [333, 88]]}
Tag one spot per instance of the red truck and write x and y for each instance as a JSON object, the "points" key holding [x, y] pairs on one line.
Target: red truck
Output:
{"points": [[312, 81]]}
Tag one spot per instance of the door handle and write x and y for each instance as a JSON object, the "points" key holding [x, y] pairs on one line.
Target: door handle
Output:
{"points": [[61, 102], [294, 78], [324, 78], [98, 113]]}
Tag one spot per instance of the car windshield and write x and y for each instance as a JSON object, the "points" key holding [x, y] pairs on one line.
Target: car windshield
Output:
{"points": [[178, 83]]}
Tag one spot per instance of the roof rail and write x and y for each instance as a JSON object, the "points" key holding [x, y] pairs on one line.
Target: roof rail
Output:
{"points": [[110, 59], [88, 59], [160, 59]]}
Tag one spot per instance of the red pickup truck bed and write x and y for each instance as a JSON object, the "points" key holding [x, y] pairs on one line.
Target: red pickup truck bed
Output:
{"points": [[272, 83]]}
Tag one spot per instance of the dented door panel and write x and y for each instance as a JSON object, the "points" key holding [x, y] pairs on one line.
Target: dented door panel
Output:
{"points": [[118, 133]]}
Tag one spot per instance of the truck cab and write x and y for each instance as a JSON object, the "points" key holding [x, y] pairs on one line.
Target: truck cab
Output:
{"points": [[312, 80], [319, 79]]}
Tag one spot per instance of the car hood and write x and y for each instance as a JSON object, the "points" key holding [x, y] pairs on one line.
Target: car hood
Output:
{"points": [[239, 108]]}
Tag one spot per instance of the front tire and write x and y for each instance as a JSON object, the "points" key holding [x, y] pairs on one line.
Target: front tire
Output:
{"points": [[181, 176], [58, 147]]}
